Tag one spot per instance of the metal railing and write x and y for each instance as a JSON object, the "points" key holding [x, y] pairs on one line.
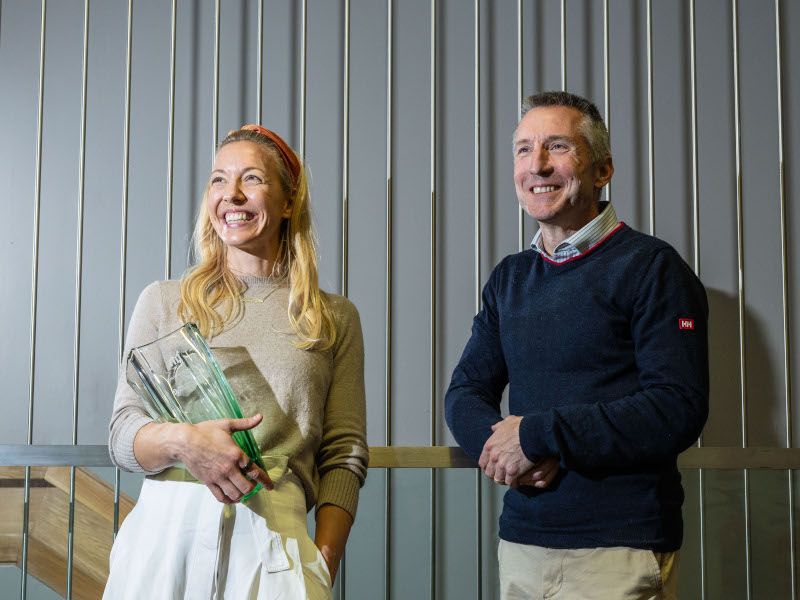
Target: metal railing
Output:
{"points": [[381, 457], [417, 457]]}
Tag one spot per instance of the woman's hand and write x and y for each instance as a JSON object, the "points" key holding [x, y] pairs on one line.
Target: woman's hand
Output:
{"points": [[211, 455], [208, 451], [333, 527]]}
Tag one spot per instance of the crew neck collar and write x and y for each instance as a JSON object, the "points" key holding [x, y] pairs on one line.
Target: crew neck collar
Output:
{"points": [[260, 280]]}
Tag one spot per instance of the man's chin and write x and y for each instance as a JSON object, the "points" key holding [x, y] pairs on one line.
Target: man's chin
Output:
{"points": [[543, 213]]}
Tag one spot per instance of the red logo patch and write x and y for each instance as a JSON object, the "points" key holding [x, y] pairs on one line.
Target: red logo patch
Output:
{"points": [[686, 324]]}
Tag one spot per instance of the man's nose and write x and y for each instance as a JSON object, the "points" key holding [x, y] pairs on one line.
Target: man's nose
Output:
{"points": [[540, 162]]}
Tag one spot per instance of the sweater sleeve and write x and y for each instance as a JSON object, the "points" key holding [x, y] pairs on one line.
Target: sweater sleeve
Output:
{"points": [[343, 455], [669, 326], [472, 402], [129, 414]]}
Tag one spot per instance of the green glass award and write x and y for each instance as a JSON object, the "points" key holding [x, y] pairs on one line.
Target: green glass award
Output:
{"points": [[180, 381]]}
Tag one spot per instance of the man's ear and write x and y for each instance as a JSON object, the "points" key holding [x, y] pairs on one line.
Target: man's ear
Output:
{"points": [[603, 172]]}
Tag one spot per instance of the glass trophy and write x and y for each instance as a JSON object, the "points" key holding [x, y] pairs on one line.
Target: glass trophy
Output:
{"points": [[180, 381]]}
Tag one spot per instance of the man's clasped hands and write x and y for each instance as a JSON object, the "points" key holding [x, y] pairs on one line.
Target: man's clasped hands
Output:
{"points": [[503, 461]]}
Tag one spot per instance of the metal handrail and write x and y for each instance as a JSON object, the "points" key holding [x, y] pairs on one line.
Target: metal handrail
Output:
{"points": [[415, 457]]}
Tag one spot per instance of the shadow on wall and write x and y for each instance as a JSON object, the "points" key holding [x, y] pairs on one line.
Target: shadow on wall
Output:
{"points": [[765, 418], [724, 499]]}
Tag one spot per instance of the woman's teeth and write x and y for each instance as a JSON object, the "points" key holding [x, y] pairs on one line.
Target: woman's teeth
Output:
{"points": [[235, 217]]}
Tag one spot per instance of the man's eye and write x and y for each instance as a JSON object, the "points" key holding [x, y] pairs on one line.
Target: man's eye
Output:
{"points": [[558, 147], [522, 150]]}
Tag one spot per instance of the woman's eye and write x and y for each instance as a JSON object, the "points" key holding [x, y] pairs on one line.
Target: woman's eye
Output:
{"points": [[253, 179], [216, 180]]}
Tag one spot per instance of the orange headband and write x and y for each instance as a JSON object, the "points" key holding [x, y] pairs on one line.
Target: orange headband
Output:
{"points": [[289, 157]]}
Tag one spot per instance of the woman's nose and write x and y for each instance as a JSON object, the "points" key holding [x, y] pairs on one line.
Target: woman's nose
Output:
{"points": [[233, 193]]}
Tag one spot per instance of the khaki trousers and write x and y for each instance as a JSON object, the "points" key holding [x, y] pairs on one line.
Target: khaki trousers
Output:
{"points": [[528, 572]]}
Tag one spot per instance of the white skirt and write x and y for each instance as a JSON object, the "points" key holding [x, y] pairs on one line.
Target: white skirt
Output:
{"points": [[180, 542]]}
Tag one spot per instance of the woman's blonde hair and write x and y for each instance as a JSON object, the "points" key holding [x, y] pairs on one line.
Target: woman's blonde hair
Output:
{"points": [[211, 295]]}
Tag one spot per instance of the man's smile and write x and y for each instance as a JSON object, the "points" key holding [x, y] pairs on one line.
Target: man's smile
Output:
{"points": [[543, 189]]}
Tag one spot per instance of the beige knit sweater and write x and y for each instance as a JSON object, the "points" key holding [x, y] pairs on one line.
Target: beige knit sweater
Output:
{"points": [[312, 402]]}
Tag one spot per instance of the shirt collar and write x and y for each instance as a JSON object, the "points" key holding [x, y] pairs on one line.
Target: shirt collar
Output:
{"points": [[583, 239]]}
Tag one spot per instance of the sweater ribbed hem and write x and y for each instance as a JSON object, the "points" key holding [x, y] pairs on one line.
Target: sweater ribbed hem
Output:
{"points": [[625, 538], [340, 487]]}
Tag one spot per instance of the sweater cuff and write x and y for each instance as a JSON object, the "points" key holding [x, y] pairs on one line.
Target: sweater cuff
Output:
{"points": [[533, 436], [122, 454], [340, 487]]}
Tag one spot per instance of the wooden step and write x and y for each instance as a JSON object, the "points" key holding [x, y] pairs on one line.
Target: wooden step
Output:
{"points": [[48, 527]]}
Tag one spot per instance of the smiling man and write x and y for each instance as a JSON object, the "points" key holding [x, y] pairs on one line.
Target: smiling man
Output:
{"points": [[600, 334]]}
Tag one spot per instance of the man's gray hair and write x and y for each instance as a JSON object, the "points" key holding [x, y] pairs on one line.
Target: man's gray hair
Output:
{"points": [[593, 127]]}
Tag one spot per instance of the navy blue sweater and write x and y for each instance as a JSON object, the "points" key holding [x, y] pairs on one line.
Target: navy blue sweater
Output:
{"points": [[606, 359]]}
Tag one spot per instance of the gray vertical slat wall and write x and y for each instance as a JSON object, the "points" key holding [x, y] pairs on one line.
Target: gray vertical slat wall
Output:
{"points": [[342, 576], [520, 94], [434, 383], [701, 527], [123, 231], [171, 140], [651, 161], [476, 171], [694, 108], [787, 378], [606, 80], [76, 337], [34, 295]]}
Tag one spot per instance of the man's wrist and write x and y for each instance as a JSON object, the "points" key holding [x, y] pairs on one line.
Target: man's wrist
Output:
{"points": [[527, 440]]}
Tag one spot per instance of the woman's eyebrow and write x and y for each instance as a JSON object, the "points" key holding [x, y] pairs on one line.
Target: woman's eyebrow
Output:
{"points": [[245, 169]]}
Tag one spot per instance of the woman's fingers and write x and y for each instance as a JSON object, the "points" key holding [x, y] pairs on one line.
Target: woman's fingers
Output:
{"points": [[245, 480], [215, 459], [235, 484], [218, 493], [257, 474], [241, 485], [242, 424], [231, 487]]}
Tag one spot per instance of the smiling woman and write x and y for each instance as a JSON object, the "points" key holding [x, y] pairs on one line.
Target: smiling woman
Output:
{"points": [[294, 356], [247, 205], [255, 219]]}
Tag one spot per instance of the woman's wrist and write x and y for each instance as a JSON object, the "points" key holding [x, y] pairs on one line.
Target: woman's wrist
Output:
{"points": [[176, 441], [160, 445]]}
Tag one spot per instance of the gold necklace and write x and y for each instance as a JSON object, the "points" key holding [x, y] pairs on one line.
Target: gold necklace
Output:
{"points": [[256, 299]]}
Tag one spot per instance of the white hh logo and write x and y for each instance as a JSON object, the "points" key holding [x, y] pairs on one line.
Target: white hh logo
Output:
{"points": [[685, 324]]}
